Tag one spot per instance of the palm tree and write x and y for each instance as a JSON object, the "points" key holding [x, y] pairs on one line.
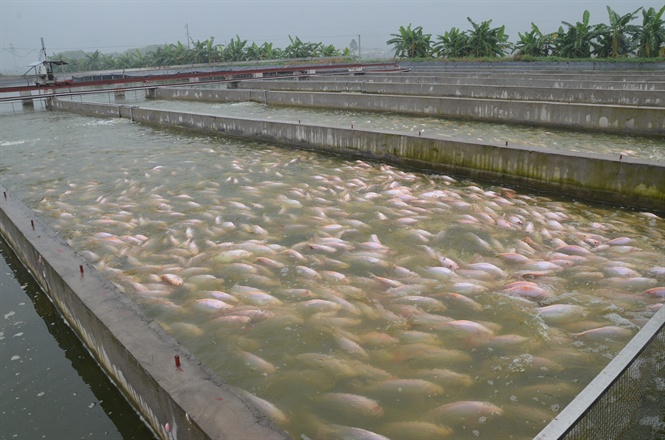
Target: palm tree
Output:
{"points": [[484, 41], [452, 44], [617, 37], [533, 43], [576, 41], [411, 43], [652, 36]]}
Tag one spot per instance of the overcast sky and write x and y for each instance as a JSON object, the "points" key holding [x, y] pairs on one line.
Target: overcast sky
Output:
{"points": [[118, 25]]}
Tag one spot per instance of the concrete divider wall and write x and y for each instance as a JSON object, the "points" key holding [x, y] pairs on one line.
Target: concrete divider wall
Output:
{"points": [[189, 402], [521, 93], [100, 110], [537, 67], [615, 119], [206, 95], [589, 82], [631, 182]]}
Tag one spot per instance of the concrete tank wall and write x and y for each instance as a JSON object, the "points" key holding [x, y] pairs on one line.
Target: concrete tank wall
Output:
{"points": [[615, 119], [521, 93], [189, 402], [630, 182], [647, 83]]}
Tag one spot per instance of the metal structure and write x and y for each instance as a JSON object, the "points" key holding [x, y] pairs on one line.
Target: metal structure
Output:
{"points": [[44, 70], [198, 73], [608, 406]]}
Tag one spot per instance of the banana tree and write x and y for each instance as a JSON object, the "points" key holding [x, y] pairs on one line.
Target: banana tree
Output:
{"points": [[576, 41], [484, 41], [652, 37], [299, 49], [328, 51], [533, 43], [411, 43], [452, 44], [616, 38], [235, 50]]}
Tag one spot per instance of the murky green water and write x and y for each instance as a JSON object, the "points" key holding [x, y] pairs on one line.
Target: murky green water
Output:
{"points": [[351, 296], [50, 386]]}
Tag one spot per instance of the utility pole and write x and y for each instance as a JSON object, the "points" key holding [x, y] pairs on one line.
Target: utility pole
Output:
{"points": [[187, 33], [12, 50], [358, 46], [43, 52]]}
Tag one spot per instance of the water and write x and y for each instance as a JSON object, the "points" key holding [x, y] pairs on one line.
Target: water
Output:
{"points": [[50, 386], [321, 284]]}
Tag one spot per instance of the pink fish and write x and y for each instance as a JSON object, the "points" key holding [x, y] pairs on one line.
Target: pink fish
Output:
{"points": [[656, 292], [526, 289], [602, 333], [172, 279]]}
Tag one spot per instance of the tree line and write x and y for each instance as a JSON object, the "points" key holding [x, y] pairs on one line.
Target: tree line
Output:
{"points": [[197, 52], [618, 38]]}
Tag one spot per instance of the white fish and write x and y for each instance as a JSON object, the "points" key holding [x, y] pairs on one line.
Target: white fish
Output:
{"points": [[341, 432], [468, 411], [213, 304], [256, 363], [603, 333], [439, 272], [351, 405], [417, 430], [232, 255], [265, 407], [557, 313]]}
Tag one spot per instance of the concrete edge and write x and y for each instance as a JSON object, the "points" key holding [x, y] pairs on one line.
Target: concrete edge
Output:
{"points": [[186, 402], [614, 118]]}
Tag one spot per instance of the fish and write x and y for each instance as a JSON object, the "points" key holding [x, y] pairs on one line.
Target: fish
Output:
{"points": [[464, 412], [342, 432], [558, 313], [604, 333], [445, 377], [656, 292], [526, 289], [268, 408], [256, 363], [173, 279], [417, 430], [400, 388], [213, 304], [471, 332], [350, 405]]}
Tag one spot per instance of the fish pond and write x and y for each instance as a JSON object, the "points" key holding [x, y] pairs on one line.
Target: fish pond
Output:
{"points": [[349, 299]]}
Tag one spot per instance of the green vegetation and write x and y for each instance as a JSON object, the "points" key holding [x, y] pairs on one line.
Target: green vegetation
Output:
{"points": [[582, 40], [619, 39], [197, 52]]}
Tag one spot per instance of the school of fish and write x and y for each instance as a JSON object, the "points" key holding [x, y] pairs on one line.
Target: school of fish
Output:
{"points": [[357, 300]]}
